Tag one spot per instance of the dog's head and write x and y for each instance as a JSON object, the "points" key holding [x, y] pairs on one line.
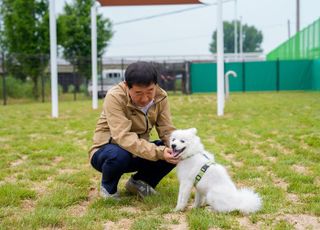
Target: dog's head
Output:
{"points": [[185, 142]]}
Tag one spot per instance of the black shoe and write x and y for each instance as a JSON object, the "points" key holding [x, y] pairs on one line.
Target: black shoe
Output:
{"points": [[140, 188]]}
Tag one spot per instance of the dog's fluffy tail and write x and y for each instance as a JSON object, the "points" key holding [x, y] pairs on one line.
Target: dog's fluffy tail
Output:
{"points": [[249, 201]]}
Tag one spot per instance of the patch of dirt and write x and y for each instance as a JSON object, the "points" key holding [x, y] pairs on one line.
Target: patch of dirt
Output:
{"points": [[93, 192], [41, 187], [247, 224], [28, 205], [293, 198], [279, 182], [70, 132], [300, 169], [261, 168], [251, 134], [36, 136], [57, 160], [79, 209], [176, 217], [231, 158], [5, 139], [121, 224], [82, 143], [272, 159], [67, 171], [301, 221], [19, 161], [244, 142], [280, 148], [130, 209]]}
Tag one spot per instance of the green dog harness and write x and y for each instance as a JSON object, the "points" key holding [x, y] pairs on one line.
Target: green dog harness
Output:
{"points": [[202, 172]]}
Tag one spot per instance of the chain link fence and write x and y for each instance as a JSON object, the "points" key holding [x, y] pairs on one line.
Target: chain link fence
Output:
{"points": [[27, 77]]}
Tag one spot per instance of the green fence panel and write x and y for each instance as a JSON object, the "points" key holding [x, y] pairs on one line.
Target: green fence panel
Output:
{"points": [[203, 77], [260, 76], [295, 75], [316, 75]]}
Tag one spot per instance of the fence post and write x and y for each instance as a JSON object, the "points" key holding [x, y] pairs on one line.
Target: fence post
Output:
{"points": [[243, 76], [122, 64], [187, 83], [74, 81], [278, 75], [42, 80], [4, 87]]}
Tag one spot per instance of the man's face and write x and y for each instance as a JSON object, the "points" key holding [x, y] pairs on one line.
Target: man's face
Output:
{"points": [[142, 95]]}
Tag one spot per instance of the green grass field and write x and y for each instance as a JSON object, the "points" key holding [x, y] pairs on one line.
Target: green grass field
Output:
{"points": [[267, 141]]}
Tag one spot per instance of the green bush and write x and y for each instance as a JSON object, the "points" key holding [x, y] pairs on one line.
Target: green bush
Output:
{"points": [[71, 89], [16, 88]]}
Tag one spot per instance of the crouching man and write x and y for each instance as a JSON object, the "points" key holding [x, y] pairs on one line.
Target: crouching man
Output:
{"points": [[121, 139]]}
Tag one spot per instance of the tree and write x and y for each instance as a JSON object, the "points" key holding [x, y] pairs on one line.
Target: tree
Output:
{"points": [[252, 38], [74, 34], [26, 38]]}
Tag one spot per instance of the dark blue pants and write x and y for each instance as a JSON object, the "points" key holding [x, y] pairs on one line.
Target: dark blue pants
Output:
{"points": [[113, 161]]}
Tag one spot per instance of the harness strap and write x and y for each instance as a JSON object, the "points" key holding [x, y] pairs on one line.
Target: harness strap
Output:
{"points": [[202, 172]]}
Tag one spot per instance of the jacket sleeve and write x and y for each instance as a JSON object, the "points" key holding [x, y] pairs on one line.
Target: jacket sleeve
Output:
{"points": [[120, 127], [164, 124]]}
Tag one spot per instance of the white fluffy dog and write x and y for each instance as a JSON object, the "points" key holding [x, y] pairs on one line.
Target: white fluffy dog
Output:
{"points": [[213, 185]]}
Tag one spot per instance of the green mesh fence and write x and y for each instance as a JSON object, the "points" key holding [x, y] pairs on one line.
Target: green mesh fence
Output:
{"points": [[304, 45]]}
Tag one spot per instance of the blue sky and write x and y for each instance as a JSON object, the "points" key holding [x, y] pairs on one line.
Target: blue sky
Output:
{"points": [[189, 33]]}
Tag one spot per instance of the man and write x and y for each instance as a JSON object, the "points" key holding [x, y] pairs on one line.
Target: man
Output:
{"points": [[121, 139]]}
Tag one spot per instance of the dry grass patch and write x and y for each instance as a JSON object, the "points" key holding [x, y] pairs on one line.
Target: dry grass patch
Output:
{"points": [[300, 169], [121, 224], [177, 221], [301, 221]]}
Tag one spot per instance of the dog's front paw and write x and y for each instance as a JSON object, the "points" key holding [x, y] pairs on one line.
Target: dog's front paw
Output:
{"points": [[179, 209], [195, 206]]}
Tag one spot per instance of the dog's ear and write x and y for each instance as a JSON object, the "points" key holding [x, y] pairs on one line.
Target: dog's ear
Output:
{"points": [[193, 131]]}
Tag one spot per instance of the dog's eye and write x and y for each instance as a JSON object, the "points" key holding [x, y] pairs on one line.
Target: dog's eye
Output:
{"points": [[173, 139], [182, 141]]}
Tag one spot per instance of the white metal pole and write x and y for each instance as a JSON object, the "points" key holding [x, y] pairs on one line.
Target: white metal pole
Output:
{"points": [[241, 38], [94, 56], [53, 59], [220, 64], [235, 29]]}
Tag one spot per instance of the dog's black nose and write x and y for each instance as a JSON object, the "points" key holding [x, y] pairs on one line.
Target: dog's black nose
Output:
{"points": [[173, 146]]}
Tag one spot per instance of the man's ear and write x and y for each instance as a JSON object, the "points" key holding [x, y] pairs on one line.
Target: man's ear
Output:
{"points": [[126, 84]]}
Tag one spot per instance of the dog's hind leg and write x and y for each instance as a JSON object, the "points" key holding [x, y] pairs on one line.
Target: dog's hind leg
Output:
{"points": [[184, 194]]}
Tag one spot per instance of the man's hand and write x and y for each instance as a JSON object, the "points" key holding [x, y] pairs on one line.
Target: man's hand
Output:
{"points": [[167, 154]]}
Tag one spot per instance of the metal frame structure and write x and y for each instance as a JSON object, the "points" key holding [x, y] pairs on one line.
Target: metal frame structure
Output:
{"points": [[104, 3]]}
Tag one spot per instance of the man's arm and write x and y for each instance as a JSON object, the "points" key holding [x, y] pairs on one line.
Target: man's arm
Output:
{"points": [[120, 127]]}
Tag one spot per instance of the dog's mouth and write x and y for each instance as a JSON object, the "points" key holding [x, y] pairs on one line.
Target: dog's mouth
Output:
{"points": [[177, 152]]}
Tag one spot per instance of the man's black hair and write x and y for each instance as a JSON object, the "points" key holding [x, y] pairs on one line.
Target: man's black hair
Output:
{"points": [[141, 73]]}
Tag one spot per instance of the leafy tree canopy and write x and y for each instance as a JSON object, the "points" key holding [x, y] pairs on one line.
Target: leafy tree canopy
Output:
{"points": [[25, 37], [251, 37], [74, 34]]}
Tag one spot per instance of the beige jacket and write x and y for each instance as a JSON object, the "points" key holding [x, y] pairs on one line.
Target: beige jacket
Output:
{"points": [[124, 124]]}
